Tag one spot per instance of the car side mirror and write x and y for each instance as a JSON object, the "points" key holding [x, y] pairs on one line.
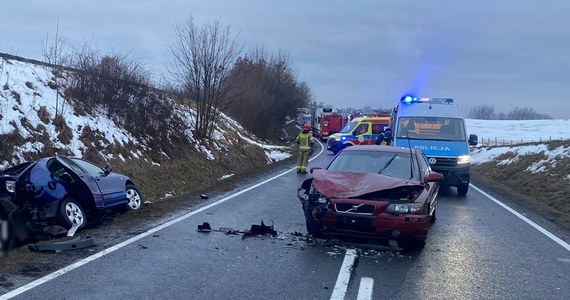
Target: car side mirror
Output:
{"points": [[108, 170], [434, 177], [473, 139], [314, 168]]}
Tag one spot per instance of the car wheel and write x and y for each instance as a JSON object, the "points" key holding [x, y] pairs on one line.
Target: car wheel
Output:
{"points": [[135, 200], [462, 189], [71, 213]]}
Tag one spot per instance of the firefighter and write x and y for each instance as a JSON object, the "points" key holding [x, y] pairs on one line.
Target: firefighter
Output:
{"points": [[305, 141]]}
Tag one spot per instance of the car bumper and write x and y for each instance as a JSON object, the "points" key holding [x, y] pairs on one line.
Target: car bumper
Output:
{"points": [[334, 145], [383, 226], [454, 176]]}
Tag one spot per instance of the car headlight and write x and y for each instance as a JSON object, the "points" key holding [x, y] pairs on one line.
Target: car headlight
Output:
{"points": [[10, 186], [322, 199], [404, 208], [463, 159]]}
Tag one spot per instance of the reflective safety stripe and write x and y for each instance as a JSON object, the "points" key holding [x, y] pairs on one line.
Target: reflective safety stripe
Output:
{"points": [[304, 139]]}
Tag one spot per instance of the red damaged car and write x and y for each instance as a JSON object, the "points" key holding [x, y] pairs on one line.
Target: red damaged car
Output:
{"points": [[373, 192]]}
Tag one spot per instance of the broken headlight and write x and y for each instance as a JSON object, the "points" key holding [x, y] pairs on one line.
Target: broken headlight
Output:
{"points": [[318, 198], [405, 208], [10, 186]]}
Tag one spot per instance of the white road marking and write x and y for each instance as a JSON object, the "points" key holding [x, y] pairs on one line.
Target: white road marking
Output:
{"points": [[527, 220], [365, 289], [93, 257], [343, 278]]}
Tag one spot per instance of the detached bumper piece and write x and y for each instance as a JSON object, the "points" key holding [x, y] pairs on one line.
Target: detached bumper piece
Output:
{"points": [[73, 244], [260, 230]]}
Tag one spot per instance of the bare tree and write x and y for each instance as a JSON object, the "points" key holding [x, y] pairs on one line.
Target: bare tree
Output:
{"points": [[268, 92], [55, 53], [203, 58], [525, 113], [483, 112]]}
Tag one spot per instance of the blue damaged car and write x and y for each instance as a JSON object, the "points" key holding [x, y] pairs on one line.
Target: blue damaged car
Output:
{"points": [[67, 190]]}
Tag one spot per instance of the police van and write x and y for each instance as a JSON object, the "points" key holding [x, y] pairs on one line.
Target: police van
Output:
{"points": [[435, 126]]}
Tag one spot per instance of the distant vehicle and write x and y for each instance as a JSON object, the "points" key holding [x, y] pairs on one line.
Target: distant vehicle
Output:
{"points": [[303, 119], [67, 190], [372, 191], [435, 126], [359, 131], [331, 124]]}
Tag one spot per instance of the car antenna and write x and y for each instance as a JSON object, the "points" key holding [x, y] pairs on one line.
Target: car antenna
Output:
{"points": [[411, 157]]}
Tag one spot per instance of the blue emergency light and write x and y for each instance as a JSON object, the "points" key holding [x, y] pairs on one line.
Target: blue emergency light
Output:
{"points": [[408, 99], [411, 99]]}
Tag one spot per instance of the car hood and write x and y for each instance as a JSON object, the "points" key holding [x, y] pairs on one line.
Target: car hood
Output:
{"points": [[335, 184]]}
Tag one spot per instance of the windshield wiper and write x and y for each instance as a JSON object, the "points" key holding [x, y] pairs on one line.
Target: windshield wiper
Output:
{"points": [[387, 164]]}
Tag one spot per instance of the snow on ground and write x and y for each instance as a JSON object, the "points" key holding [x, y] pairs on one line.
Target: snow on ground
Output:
{"points": [[25, 91], [515, 131], [226, 176]]}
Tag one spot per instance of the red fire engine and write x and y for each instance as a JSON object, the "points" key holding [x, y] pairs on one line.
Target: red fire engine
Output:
{"points": [[331, 123]]}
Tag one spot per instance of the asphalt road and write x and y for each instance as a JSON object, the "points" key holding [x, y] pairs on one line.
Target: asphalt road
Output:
{"points": [[476, 250]]}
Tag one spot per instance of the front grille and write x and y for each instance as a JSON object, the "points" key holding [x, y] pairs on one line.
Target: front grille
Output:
{"points": [[365, 209], [443, 161]]}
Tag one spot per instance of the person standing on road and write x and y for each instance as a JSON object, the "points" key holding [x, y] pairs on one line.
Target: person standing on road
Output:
{"points": [[385, 137], [305, 141]]}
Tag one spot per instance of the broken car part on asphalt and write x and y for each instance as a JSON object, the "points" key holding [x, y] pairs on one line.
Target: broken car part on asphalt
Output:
{"points": [[260, 230], [72, 244]]}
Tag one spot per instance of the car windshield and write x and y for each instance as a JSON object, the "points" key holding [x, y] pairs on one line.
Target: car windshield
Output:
{"points": [[376, 162], [431, 128], [349, 127]]}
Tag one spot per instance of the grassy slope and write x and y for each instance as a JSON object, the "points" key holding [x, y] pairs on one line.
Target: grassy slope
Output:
{"points": [[546, 193]]}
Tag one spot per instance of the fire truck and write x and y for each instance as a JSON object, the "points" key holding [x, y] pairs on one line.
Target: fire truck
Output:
{"points": [[330, 124]]}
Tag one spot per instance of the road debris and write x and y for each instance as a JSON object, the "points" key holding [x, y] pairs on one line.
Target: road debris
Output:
{"points": [[72, 230], [205, 227], [72, 244], [260, 230]]}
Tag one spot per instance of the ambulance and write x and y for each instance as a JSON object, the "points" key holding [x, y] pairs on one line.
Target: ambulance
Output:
{"points": [[359, 131]]}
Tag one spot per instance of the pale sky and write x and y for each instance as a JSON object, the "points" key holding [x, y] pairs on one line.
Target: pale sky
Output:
{"points": [[351, 53]]}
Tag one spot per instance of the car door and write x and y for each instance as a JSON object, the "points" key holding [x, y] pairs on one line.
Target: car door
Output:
{"points": [[112, 187], [362, 134]]}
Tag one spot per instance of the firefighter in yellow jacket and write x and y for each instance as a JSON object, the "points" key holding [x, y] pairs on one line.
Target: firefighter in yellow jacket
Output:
{"points": [[305, 141]]}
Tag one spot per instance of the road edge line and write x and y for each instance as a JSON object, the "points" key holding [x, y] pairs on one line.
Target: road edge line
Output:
{"points": [[527, 220]]}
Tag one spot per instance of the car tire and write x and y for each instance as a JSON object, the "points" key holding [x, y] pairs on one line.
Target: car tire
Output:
{"points": [[135, 200], [71, 213], [462, 190]]}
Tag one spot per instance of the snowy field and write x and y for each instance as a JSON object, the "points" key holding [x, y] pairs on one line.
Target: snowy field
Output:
{"points": [[493, 132], [508, 133]]}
